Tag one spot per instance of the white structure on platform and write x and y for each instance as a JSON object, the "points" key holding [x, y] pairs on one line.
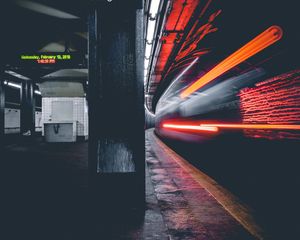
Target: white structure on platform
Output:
{"points": [[64, 105], [60, 112]]}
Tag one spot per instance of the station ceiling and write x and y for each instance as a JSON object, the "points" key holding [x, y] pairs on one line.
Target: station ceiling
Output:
{"points": [[30, 27]]}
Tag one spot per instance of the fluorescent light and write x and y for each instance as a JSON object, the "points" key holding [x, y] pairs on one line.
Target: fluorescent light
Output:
{"points": [[146, 64], [150, 31], [153, 11], [17, 75], [148, 50], [154, 8], [44, 9], [15, 85]]}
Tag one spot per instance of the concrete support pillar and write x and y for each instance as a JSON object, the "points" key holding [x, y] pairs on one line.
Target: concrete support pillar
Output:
{"points": [[116, 105], [2, 108], [27, 107]]}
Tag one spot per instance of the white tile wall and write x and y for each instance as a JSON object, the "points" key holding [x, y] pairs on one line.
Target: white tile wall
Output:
{"points": [[80, 113]]}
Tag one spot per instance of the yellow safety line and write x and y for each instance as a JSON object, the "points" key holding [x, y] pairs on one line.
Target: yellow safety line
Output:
{"points": [[231, 204]]}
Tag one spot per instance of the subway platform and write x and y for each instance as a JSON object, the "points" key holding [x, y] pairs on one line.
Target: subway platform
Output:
{"points": [[45, 194], [193, 205]]}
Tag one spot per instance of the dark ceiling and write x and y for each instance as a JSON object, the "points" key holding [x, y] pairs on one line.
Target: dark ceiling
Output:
{"points": [[26, 30]]}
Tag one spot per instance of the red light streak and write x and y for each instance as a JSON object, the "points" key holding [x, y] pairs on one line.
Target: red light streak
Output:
{"points": [[262, 41], [190, 127], [254, 126], [214, 127]]}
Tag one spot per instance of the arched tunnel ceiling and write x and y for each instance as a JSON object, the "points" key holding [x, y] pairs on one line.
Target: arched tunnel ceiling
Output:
{"points": [[212, 30]]}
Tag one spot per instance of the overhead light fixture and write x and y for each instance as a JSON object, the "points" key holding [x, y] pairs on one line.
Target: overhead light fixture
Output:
{"points": [[44, 9], [150, 31], [262, 41], [15, 85], [148, 50], [153, 11], [146, 61]]}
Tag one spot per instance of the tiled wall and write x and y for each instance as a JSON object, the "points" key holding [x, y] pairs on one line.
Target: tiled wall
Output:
{"points": [[80, 112]]}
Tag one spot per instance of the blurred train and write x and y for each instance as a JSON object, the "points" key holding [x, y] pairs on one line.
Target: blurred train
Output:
{"points": [[250, 104]]}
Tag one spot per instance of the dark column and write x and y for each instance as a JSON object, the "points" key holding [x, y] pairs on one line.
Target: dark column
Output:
{"points": [[27, 107], [24, 107], [31, 107], [116, 105], [32, 96], [2, 108]]}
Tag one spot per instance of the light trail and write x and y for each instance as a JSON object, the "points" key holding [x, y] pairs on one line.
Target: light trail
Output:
{"points": [[216, 127], [254, 126], [262, 41], [190, 127]]}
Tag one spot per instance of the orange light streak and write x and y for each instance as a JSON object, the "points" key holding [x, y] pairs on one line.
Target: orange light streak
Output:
{"points": [[262, 41], [190, 127]]}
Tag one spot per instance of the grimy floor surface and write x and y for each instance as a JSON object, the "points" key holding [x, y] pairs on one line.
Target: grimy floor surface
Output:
{"points": [[44, 195]]}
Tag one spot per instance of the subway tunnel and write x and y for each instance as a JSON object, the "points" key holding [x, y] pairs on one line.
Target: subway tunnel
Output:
{"points": [[149, 119]]}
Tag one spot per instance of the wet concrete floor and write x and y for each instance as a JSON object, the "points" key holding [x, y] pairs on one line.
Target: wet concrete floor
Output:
{"points": [[44, 195]]}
